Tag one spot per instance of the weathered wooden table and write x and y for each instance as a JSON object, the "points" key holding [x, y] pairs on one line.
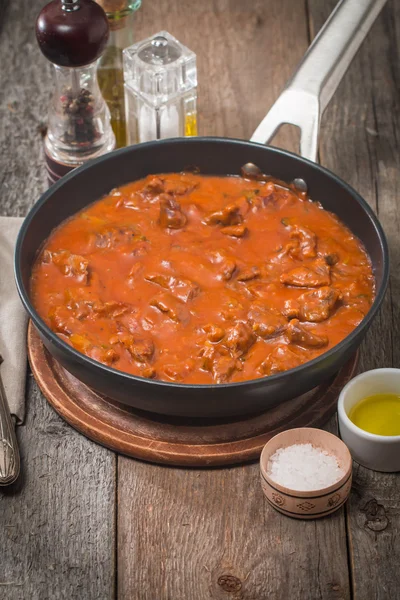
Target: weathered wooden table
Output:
{"points": [[83, 523]]}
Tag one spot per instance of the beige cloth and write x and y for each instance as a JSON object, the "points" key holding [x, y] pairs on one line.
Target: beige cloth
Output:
{"points": [[13, 322]]}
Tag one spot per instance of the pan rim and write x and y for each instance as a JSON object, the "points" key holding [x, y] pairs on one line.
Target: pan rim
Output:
{"points": [[261, 381]]}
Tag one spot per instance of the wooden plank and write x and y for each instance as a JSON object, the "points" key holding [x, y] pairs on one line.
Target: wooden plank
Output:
{"points": [[181, 532], [57, 523], [360, 142]]}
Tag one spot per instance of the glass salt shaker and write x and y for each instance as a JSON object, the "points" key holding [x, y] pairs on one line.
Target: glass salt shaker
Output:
{"points": [[72, 35], [160, 79]]}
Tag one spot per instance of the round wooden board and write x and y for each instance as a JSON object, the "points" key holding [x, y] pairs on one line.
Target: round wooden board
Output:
{"points": [[170, 440]]}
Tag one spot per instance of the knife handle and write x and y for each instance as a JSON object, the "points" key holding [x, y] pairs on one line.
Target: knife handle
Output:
{"points": [[9, 453]]}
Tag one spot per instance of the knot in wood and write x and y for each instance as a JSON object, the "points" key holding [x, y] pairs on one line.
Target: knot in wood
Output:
{"points": [[230, 583], [375, 516]]}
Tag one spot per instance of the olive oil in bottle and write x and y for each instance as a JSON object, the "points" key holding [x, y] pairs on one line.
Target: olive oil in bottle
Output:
{"points": [[121, 15]]}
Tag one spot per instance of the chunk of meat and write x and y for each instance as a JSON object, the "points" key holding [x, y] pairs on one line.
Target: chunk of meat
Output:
{"points": [[141, 350], [140, 248], [261, 290], [183, 289], [292, 249], [114, 237], [244, 206], [179, 188], [316, 275], [157, 187], [148, 372], [239, 338], [171, 215], [266, 323], [207, 355], [358, 289], [226, 265], [299, 334], [229, 215], [307, 239], [315, 306], [153, 187], [237, 231], [70, 265], [282, 358], [249, 274], [107, 356], [140, 347], [224, 367], [259, 199], [219, 362], [286, 199], [80, 342], [62, 320], [214, 332], [178, 371], [357, 295], [333, 250], [227, 269], [172, 307], [82, 309], [103, 354], [110, 309], [158, 279]]}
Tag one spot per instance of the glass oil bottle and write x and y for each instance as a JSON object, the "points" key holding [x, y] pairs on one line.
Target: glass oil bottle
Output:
{"points": [[121, 15]]}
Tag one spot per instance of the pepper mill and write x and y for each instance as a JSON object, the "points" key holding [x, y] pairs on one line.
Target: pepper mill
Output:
{"points": [[72, 35]]}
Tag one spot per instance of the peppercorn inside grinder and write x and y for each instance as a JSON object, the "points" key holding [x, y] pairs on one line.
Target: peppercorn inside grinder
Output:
{"points": [[72, 35]]}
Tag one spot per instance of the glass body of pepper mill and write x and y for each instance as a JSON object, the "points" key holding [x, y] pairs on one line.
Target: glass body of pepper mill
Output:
{"points": [[72, 34], [121, 16], [160, 78]]}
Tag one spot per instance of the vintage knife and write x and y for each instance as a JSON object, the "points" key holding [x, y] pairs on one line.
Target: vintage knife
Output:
{"points": [[9, 453]]}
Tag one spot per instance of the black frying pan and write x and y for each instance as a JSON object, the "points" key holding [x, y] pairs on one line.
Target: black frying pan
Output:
{"points": [[217, 156]]}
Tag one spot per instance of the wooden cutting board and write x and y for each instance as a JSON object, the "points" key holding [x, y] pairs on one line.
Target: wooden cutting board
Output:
{"points": [[172, 440]]}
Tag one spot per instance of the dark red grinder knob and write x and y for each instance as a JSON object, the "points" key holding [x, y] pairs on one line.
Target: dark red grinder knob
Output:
{"points": [[72, 33]]}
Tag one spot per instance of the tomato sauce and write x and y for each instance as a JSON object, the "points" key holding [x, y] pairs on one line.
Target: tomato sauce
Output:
{"points": [[199, 279]]}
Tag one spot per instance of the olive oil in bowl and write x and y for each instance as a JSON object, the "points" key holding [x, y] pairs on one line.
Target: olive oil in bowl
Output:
{"points": [[378, 414]]}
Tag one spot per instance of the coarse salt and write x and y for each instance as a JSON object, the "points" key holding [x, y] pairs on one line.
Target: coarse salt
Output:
{"points": [[303, 467]]}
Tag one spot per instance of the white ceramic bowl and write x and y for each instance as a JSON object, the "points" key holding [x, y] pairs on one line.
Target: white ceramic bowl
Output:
{"points": [[377, 452]]}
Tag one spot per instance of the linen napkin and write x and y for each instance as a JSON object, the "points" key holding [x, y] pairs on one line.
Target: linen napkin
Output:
{"points": [[13, 322]]}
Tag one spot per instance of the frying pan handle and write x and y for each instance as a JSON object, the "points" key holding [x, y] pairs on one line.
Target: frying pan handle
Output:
{"points": [[309, 91]]}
